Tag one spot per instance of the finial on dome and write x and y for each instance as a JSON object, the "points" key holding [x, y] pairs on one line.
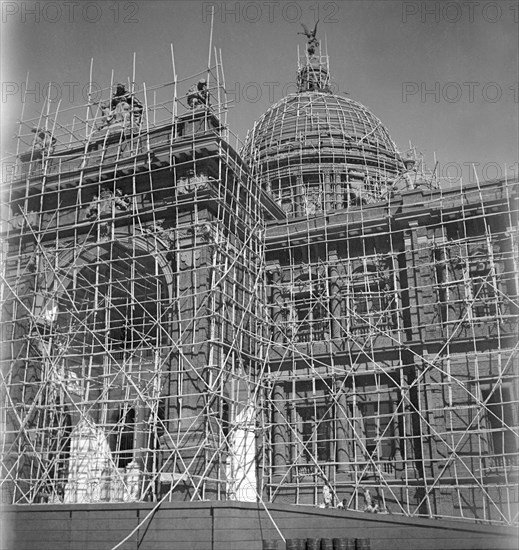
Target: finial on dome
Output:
{"points": [[312, 74]]}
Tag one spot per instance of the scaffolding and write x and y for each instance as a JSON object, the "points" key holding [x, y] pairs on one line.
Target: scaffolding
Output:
{"points": [[392, 300], [315, 320], [132, 254]]}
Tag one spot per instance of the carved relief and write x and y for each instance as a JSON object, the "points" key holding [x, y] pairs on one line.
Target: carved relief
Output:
{"points": [[206, 233], [171, 238], [188, 258], [18, 221], [191, 182], [107, 201]]}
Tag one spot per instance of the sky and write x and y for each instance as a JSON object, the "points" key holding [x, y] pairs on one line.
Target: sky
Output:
{"points": [[440, 75]]}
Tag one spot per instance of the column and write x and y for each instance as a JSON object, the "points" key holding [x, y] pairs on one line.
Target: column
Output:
{"points": [[298, 202], [279, 431], [410, 471], [140, 439], [274, 270], [335, 296], [397, 458], [336, 185], [329, 203], [344, 433]]}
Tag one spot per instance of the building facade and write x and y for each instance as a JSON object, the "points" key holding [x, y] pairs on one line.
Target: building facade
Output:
{"points": [[313, 320]]}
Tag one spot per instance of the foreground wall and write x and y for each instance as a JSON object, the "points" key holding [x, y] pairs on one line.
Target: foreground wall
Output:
{"points": [[230, 526]]}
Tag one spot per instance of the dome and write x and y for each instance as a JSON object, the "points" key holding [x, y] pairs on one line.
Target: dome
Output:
{"points": [[315, 151]]}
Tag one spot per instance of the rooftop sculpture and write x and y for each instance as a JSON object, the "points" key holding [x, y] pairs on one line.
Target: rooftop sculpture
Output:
{"points": [[313, 43]]}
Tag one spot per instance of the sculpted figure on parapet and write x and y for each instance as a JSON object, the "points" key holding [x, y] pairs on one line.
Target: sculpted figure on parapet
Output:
{"points": [[370, 507], [122, 108], [43, 142], [198, 95]]}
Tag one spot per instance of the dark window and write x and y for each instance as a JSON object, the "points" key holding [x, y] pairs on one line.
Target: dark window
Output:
{"points": [[225, 419], [315, 433], [378, 428], [483, 290], [500, 419], [373, 302], [440, 272], [310, 317], [124, 441], [454, 291]]}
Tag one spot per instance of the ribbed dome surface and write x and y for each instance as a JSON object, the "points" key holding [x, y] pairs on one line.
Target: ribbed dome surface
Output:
{"points": [[316, 151]]}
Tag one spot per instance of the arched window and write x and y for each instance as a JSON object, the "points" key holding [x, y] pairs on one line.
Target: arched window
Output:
{"points": [[110, 302]]}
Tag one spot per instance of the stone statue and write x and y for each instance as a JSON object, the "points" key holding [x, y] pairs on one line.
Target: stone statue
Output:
{"points": [[198, 95], [327, 497], [313, 43], [43, 141], [121, 107], [370, 507]]}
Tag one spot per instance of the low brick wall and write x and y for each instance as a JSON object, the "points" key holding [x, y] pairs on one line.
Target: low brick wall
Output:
{"points": [[230, 526]]}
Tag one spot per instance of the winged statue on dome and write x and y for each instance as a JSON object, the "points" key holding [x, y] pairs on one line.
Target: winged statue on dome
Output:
{"points": [[313, 43]]}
